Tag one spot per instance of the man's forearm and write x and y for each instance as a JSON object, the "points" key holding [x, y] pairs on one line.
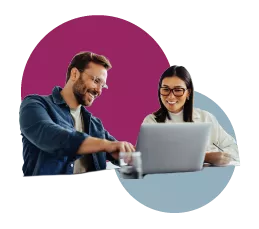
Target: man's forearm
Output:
{"points": [[92, 145]]}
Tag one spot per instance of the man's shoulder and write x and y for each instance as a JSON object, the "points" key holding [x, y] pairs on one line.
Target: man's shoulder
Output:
{"points": [[36, 97], [32, 98]]}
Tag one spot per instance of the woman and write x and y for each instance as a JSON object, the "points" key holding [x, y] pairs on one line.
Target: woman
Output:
{"points": [[175, 93]]}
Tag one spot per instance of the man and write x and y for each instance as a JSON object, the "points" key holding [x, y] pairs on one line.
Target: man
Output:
{"points": [[59, 135]]}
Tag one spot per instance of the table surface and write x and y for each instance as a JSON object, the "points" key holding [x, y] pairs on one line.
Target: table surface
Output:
{"points": [[109, 165]]}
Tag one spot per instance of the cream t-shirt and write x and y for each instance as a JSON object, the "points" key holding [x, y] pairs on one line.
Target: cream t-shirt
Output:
{"points": [[80, 165]]}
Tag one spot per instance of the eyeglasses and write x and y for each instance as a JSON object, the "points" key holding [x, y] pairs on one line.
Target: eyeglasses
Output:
{"points": [[98, 81], [178, 92]]}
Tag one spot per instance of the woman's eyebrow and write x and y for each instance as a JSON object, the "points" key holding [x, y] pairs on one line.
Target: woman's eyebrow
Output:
{"points": [[177, 86]]}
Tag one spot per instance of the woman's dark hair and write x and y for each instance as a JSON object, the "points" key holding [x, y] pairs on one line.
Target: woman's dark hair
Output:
{"points": [[183, 74]]}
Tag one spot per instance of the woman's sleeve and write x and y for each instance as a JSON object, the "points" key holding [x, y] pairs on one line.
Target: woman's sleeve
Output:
{"points": [[225, 141]]}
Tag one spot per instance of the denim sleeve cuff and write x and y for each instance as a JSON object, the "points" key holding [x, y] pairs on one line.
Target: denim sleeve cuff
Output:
{"points": [[73, 143]]}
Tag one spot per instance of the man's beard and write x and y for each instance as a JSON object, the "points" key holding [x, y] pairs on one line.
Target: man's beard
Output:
{"points": [[80, 90], [80, 97]]}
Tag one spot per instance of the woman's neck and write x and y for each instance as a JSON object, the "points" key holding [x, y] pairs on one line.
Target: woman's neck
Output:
{"points": [[176, 114]]}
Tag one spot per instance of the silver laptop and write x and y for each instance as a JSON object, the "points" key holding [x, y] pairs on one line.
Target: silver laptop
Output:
{"points": [[168, 147]]}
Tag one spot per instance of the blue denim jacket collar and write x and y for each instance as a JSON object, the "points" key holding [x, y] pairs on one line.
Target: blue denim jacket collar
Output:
{"points": [[58, 99]]}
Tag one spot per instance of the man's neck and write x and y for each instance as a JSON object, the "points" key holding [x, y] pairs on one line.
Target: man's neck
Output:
{"points": [[69, 97]]}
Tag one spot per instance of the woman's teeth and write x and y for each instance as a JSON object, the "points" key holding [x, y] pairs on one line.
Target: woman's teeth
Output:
{"points": [[171, 102]]}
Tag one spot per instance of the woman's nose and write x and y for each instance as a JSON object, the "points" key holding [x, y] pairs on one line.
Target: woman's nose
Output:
{"points": [[171, 95]]}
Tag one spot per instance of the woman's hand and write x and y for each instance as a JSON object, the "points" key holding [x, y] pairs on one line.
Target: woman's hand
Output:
{"points": [[217, 158]]}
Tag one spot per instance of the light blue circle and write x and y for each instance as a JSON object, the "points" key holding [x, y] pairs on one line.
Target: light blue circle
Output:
{"points": [[182, 192]]}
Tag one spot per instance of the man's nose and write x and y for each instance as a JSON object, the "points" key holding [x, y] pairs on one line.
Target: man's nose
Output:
{"points": [[98, 90]]}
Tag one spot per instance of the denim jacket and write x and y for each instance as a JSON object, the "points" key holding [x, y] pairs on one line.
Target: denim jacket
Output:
{"points": [[50, 141]]}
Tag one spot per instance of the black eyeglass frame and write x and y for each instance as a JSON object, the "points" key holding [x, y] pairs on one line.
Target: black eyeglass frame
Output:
{"points": [[173, 91]]}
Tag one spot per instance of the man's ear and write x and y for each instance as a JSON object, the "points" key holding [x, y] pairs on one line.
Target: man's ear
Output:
{"points": [[74, 74]]}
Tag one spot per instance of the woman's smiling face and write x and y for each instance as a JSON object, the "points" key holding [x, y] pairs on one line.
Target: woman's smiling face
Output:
{"points": [[173, 100]]}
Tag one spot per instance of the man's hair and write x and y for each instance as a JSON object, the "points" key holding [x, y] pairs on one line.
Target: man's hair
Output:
{"points": [[82, 59]]}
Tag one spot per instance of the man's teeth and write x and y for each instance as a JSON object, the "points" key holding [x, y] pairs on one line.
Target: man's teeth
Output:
{"points": [[171, 102]]}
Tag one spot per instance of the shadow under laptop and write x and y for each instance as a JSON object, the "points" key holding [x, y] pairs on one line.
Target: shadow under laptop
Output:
{"points": [[130, 172]]}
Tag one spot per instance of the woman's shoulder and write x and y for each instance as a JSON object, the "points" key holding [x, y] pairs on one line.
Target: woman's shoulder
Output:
{"points": [[202, 115], [150, 119]]}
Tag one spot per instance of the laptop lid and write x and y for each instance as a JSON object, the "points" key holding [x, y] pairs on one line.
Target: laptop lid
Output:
{"points": [[173, 147]]}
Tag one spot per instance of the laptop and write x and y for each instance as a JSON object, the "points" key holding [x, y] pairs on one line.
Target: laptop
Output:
{"points": [[173, 147]]}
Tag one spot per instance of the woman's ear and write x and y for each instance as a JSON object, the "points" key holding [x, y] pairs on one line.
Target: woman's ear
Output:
{"points": [[189, 91]]}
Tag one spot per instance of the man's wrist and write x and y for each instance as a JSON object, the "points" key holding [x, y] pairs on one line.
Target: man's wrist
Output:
{"points": [[104, 143]]}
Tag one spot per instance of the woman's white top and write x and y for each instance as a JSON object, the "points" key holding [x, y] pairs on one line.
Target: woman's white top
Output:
{"points": [[218, 135]]}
